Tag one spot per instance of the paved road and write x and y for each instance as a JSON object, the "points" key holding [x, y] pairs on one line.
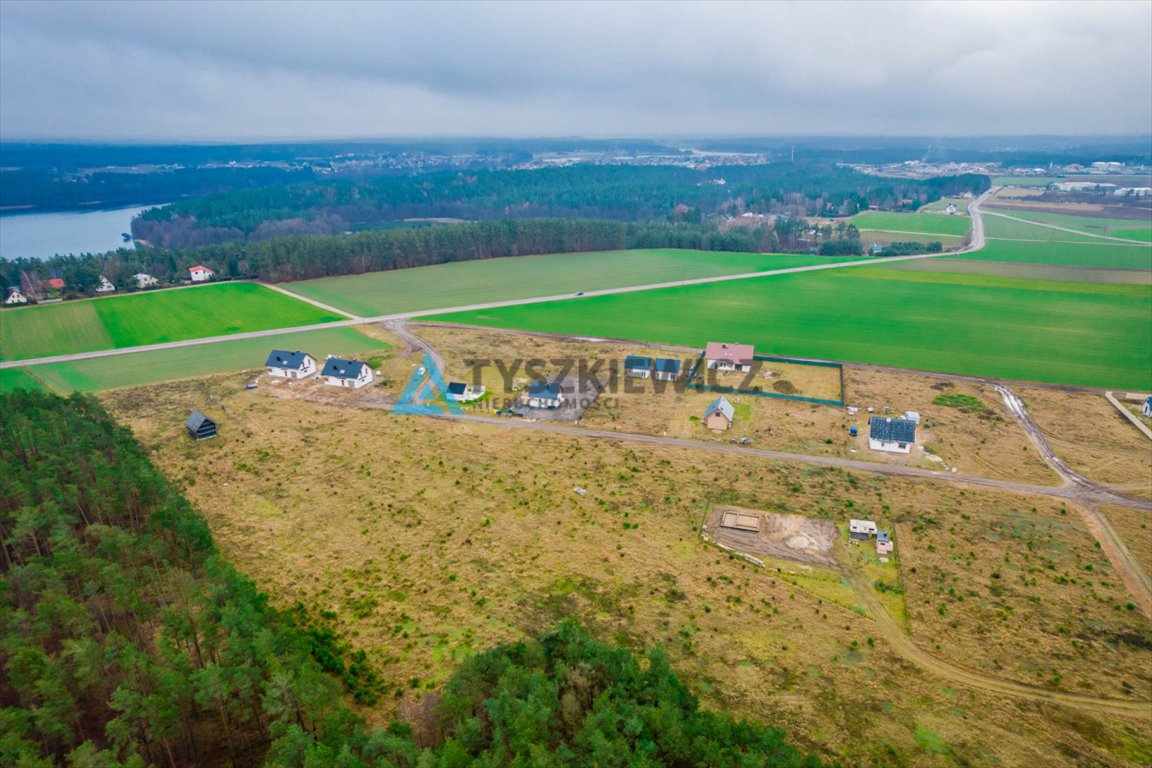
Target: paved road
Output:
{"points": [[1058, 228], [977, 242]]}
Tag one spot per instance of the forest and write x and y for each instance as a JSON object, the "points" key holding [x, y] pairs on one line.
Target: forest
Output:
{"points": [[128, 641], [620, 193]]}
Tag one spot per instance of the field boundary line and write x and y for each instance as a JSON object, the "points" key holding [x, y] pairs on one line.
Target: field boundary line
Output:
{"points": [[1129, 415], [1064, 229], [313, 302]]}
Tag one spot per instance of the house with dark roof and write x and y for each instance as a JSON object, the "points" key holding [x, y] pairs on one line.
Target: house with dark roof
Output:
{"points": [[636, 367], [464, 393], [889, 434], [346, 373], [543, 394], [200, 427], [667, 369], [729, 357], [290, 365], [719, 415]]}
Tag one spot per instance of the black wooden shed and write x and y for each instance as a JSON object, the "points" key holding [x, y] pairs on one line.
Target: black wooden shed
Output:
{"points": [[200, 426]]}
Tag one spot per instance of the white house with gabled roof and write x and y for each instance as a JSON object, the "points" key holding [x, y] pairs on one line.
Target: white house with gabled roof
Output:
{"points": [[290, 365], [346, 373]]}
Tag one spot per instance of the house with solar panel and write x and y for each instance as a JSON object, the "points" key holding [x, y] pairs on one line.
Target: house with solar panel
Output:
{"points": [[290, 365], [543, 394], [346, 373], [636, 367], [666, 369], [729, 357], [893, 435], [720, 415]]}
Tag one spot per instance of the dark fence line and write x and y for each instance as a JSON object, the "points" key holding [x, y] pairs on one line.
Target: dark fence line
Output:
{"points": [[779, 396]]}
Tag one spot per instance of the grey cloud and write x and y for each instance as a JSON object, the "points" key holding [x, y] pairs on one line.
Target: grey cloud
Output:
{"points": [[234, 70]]}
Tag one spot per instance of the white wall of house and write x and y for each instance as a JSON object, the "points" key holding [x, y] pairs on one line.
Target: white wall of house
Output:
{"points": [[889, 445], [638, 373], [200, 275], [727, 365], [303, 372]]}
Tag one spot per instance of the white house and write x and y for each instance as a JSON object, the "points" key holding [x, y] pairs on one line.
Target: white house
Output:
{"points": [[667, 369], [144, 280], [729, 357], [464, 393], [346, 373], [15, 296], [893, 435], [951, 209], [105, 285], [200, 274], [1146, 408], [862, 529], [290, 365], [636, 367], [543, 394]]}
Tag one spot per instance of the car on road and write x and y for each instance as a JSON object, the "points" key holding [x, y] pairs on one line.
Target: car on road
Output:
{"points": [[579, 293]]}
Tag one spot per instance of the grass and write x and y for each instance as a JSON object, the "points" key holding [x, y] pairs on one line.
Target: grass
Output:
{"points": [[1100, 254], [926, 223], [1036, 272], [959, 401], [1089, 224], [1133, 234], [19, 378], [184, 362], [462, 535], [870, 236], [150, 318], [474, 282], [896, 272], [1080, 334], [999, 228]]}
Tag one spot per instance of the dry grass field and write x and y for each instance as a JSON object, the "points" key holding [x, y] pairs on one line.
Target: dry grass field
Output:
{"points": [[429, 539], [1092, 437], [989, 443], [1135, 529]]}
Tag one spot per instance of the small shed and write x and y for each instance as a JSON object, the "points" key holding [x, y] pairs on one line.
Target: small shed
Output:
{"points": [[637, 367], [667, 369], [884, 544], [862, 530], [719, 415], [200, 427]]}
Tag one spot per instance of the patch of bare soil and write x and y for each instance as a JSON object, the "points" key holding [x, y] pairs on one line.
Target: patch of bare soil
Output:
{"points": [[792, 537]]}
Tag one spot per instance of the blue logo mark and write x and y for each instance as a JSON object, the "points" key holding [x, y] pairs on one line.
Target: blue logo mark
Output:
{"points": [[426, 393]]}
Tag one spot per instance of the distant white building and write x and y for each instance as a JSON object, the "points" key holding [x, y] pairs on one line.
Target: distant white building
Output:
{"points": [[15, 296], [951, 209], [200, 274], [144, 280], [893, 435], [862, 529], [729, 357], [290, 365], [105, 285], [464, 393]]}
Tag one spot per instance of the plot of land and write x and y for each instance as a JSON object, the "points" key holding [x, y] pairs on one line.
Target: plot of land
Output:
{"points": [[18, 378], [791, 537], [1095, 225], [185, 362], [868, 237], [1075, 336], [476, 282], [1100, 254], [428, 540], [150, 318], [999, 228], [1027, 271], [926, 223]]}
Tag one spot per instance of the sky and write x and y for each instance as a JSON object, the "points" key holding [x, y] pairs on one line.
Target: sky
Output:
{"points": [[222, 71]]}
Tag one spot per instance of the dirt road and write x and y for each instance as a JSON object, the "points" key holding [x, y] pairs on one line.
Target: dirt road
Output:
{"points": [[1058, 228]]}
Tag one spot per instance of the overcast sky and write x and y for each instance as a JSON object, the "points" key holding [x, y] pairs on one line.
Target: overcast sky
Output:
{"points": [[267, 70]]}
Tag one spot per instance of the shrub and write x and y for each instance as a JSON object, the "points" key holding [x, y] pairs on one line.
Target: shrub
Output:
{"points": [[968, 402]]}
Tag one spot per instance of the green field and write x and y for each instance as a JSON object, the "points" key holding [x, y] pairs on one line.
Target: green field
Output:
{"points": [[522, 277], [150, 318], [1075, 334], [18, 378], [925, 223], [996, 227], [1133, 234], [1099, 254], [1027, 271], [139, 368], [869, 236], [1089, 224], [961, 204]]}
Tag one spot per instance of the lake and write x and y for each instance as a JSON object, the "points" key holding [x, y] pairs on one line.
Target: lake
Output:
{"points": [[43, 235]]}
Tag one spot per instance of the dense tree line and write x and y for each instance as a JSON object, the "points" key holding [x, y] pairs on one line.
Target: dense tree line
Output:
{"points": [[129, 642], [302, 257], [910, 248], [622, 193]]}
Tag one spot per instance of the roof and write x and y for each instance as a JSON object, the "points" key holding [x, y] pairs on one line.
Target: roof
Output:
{"points": [[635, 362], [721, 405], [199, 266], [893, 430], [343, 369], [667, 365], [861, 525], [736, 353], [197, 420], [54, 282], [544, 390], [292, 361], [882, 536], [457, 388]]}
